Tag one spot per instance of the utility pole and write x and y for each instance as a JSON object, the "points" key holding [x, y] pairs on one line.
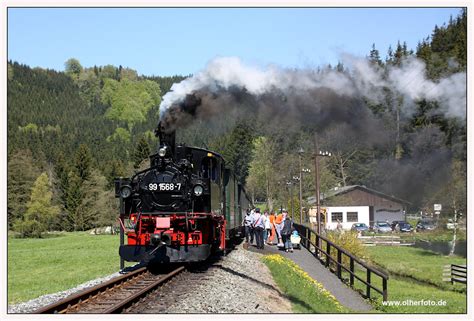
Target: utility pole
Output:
{"points": [[316, 175], [289, 184], [281, 204], [300, 152], [318, 154], [295, 179]]}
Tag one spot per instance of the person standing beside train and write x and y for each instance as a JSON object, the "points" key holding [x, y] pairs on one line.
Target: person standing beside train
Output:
{"points": [[286, 233], [278, 225], [271, 219], [252, 229], [247, 223], [259, 227], [268, 229]]}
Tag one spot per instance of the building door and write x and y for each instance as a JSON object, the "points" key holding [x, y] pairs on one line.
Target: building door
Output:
{"points": [[371, 216]]}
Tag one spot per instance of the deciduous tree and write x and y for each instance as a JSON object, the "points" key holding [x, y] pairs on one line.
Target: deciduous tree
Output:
{"points": [[73, 67], [40, 211]]}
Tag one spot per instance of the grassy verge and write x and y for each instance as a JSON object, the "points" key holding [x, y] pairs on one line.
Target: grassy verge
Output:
{"points": [[402, 290], [305, 294], [48, 265], [407, 282], [418, 264]]}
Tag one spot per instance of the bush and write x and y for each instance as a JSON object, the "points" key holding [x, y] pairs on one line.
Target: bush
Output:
{"points": [[28, 228], [349, 242]]}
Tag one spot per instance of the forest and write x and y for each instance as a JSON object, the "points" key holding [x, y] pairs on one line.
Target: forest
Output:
{"points": [[71, 133]]}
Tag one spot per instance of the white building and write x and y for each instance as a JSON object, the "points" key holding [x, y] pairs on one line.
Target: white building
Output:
{"points": [[358, 204]]}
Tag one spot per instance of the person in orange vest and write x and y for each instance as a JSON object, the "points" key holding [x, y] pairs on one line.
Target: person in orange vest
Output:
{"points": [[278, 226], [272, 228]]}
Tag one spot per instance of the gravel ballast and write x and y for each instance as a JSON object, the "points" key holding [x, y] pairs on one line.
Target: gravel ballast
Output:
{"points": [[239, 283]]}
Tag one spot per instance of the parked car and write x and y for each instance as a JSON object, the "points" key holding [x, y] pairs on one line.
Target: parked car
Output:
{"points": [[450, 224], [382, 227], [359, 227], [425, 225], [403, 227], [394, 223]]}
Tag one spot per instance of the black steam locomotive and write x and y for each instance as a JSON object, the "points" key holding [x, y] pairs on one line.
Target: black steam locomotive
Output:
{"points": [[184, 207]]}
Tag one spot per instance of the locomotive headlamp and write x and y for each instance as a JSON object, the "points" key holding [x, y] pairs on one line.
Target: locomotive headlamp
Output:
{"points": [[162, 151], [125, 191], [198, 189]]}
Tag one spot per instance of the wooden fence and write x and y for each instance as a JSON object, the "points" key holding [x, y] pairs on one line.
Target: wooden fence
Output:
{"points": [[459, 273], [332, 255]]}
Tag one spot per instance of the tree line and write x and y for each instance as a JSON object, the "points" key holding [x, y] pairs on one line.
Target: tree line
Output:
{"points": [[70, 133]]}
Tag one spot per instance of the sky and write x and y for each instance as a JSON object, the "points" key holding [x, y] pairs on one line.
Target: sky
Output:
{"points": [[169, 41]]}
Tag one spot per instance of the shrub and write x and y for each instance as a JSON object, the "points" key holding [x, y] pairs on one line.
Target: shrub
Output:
{"points": [[348, 241]]}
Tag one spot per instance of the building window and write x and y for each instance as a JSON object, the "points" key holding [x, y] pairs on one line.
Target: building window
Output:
{"points": [[352, 217], [336, 216]]}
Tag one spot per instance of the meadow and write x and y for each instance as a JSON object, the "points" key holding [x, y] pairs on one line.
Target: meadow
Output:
{"points": [[416, 275], [58, 262]]}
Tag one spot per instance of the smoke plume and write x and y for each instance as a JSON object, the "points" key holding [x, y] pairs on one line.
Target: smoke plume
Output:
{"points": [[333, 103], [325, 96]]}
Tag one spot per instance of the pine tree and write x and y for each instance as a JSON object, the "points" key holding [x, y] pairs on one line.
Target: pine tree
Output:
{"points": [[389, 58], [83, 162], [97, 207], [62, 170], [40, 211], [74, 197], [22, 172], [142, 151], [398, 55], [374, 56], [114, 169], [423, 51]]}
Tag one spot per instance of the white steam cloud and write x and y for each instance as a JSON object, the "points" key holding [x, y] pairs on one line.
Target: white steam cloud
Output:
{"points": [[362, 79]]}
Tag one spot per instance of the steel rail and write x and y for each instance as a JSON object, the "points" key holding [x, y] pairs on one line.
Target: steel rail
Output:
{"points": [[81, 297], [127, 302]]}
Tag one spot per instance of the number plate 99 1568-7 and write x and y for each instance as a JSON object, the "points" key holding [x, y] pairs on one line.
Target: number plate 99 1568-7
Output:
{"points": [[164, 187]]}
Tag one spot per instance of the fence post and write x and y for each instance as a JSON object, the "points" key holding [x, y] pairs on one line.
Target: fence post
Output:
{"points": [[384, 288], [328, 251], [339, 262], [452, 282], [317, 244], [351, 268], [308, 238], [368, 284]]}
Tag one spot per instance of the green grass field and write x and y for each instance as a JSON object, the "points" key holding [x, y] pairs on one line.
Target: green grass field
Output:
{"points": [[415, 275], [418, 264], [48, 265]]}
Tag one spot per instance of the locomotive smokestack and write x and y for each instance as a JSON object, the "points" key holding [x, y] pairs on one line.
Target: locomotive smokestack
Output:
{"points": [[166, 136]]}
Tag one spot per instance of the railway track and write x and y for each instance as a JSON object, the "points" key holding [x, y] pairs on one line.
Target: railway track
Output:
{"points": [[113, 296]]}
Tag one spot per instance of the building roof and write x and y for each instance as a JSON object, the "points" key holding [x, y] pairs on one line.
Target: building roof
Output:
{"points": [[345, 189]]}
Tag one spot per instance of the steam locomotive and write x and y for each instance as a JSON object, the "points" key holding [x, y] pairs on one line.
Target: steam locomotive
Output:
{"points": [[182, 208]]}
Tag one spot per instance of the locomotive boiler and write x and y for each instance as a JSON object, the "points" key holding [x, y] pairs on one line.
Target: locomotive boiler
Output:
{"points": [[182, 208]]}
